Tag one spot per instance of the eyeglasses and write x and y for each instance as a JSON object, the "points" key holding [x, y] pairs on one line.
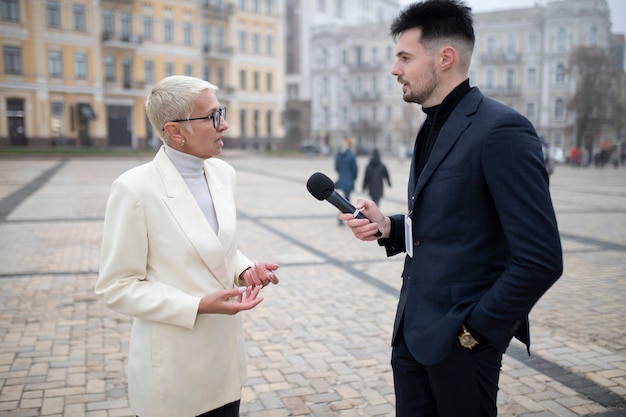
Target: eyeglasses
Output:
{"points": [[217, 116]]}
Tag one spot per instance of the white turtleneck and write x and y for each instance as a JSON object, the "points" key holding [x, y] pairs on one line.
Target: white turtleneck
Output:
{"points": [[191, 169]]}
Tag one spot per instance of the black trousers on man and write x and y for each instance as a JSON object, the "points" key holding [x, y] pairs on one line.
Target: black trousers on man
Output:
{"points": [[464, 384]]}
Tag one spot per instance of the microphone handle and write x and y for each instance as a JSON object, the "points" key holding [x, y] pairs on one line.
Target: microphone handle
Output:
{"points": [[345, 206]]}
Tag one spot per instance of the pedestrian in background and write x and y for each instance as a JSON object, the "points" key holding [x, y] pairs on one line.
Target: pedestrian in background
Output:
{"points": [[170, 260], [479, 233], [375, 175], [346, 167]]}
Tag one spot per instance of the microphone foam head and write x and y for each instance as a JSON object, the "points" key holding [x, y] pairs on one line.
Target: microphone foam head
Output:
{"points": [[320, 186]]}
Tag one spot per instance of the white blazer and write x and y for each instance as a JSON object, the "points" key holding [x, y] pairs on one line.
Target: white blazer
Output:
{"points": [[159, 257]]}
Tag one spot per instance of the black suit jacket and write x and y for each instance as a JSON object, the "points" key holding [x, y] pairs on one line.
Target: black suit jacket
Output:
{"points": [[485, 240]]}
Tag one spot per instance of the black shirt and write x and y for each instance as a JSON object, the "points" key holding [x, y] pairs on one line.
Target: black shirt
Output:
{"points": [[436, 116]]}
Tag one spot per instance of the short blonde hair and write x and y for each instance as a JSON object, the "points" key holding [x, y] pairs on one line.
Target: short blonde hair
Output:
{"points": [[172, 98]]}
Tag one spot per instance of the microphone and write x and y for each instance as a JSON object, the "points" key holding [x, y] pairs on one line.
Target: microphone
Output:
{"points": [[323, 188]]}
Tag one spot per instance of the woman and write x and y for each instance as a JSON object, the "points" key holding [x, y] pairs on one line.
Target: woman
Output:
{"points": [[375, 175], [170, 260]]}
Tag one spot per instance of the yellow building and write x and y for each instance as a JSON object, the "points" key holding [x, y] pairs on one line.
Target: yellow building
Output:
{"points": [[76, 72]]}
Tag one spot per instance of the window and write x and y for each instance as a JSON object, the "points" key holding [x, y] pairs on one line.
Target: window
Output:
{"points": [[558, 108], [255, 123], [339, 8], [55, 64], [256, 6], [109, 67], [561, 40], [219, 37], [53, 12], [321, 5], [374, 55], [491, 45], [148, 72], [325, 85], [78, 12], [205, 34], [242, 4], [530, 110], [189, 70], [269, 45], [256, 80], [269, 116], [80, 66], [593, 37], [242, 122], [560, 74], [390, 53], [12, 59], [242, 80], [10, 10], [270, 84], [169, 69], [242, 41], [147, 27], [107, 22], [255, 43], [510, 79], [126, 26], [220, 76], [533, 43], [511, 44], [187, 33], [269, 7], [532, 76], [168, 30], [491, 79]]}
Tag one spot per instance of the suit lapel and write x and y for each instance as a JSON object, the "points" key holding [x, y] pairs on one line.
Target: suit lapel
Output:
{"points": [[191, 220], [450, 133]]}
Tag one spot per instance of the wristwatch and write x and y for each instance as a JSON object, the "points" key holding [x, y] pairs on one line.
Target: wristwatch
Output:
{"points": [[466, 339]]}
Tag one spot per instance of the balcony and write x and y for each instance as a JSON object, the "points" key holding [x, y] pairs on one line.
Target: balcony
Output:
{"points": [[214, 9], [217, 51], [494, 58], [365, 96], [124, 41], [115, 86], [501, 91]]}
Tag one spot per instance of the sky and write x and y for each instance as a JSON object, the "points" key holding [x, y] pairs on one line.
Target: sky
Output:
{"points": [[617, 8]]}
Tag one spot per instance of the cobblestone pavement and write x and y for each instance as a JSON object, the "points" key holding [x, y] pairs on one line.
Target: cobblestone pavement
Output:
{"points": [[318, 345]]}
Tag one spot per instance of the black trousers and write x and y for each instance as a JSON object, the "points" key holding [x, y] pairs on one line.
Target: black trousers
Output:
{"points": [[464, 384], [228, 410]]}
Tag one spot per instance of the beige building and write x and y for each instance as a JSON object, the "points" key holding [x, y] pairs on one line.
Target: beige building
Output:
{"points": [[76, 72]]}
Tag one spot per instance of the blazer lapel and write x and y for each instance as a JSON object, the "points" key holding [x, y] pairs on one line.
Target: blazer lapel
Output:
{"points": [[450, 133], [194, 225]]}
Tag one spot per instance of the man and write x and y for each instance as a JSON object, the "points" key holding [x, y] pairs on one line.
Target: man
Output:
{"points": [[480, 233]]}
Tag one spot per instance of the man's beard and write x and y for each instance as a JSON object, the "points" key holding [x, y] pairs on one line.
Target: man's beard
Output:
{"points": [[425, 91]]}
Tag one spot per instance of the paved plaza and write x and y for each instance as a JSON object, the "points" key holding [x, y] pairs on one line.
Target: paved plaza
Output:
{"points": [[318, 345]]}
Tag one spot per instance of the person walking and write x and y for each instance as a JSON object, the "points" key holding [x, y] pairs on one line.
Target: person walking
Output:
{"points": [[170, 260], [480, 235], [347, 169], [375, 174]]}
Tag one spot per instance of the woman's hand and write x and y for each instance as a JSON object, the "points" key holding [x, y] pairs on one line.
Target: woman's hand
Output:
{"points": [[230, 301], [260, 275]]}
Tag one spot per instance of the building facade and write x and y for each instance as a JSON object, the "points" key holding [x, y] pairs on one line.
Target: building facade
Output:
{"points": [[304, 19], [77, 72], [521, 58]]}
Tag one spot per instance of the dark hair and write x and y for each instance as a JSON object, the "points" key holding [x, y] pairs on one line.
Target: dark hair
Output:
{"points": [[437, 19]]}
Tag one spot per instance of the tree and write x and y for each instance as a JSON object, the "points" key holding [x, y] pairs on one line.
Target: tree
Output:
{"points": [[599, 100]]}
